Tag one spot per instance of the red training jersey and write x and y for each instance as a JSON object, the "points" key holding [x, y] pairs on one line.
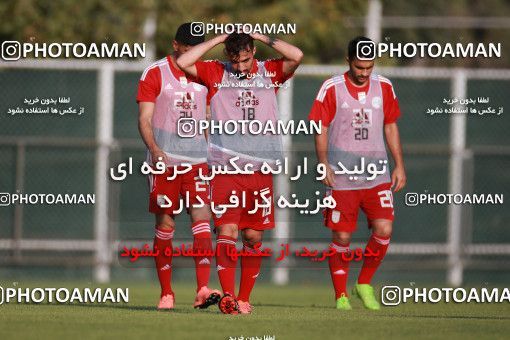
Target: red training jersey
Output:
{"points": [[210, 73], [324, 106], [149, 86]]}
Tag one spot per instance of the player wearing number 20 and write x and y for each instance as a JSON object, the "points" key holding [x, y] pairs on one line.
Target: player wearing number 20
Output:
{"points": [[357, 110]]}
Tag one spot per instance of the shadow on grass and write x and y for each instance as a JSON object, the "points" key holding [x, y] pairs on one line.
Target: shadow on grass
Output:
{"points": [[213, 309], [460, 317], [289, 306], [177, 310]]}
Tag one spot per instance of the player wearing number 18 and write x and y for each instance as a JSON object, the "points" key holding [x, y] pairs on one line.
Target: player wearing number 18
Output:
{"points": [[358, 110], [247, 92]]}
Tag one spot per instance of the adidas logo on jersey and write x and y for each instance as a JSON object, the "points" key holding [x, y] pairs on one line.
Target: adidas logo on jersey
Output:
{"points": [[218, 268], [266, 221], [165, 267], [205, 260], [344, 105]]}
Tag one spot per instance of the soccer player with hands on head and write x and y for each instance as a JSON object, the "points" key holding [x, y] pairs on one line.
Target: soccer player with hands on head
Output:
{"points": [[242, 96]]}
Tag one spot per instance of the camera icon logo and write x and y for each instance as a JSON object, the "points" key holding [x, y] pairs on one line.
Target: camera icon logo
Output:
{"points": [[391, 295], [11, 50], [365, 50], [187, 127], [197, 29], [5, 199], [411, 199]]}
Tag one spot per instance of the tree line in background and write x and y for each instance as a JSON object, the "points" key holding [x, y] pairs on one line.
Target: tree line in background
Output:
{"points": [[323, 29]]}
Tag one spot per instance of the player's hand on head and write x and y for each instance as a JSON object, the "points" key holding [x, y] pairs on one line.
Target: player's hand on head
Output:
{"points": [[222, 37], [398, 179], [256, 36]]}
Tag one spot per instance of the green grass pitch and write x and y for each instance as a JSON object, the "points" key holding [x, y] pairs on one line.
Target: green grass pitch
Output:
{"points": [[293, 312]]}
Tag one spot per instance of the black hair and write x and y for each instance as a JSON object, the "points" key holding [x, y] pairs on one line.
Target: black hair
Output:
{"points": [[237, 42], [351, 48], [189, 34]]}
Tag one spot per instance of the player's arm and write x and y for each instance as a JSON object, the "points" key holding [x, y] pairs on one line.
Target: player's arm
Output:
{"points": [[391, 114], [398, 177], [323, 110], [187, 60], [146, 111], [292, 55], [321, 149]]}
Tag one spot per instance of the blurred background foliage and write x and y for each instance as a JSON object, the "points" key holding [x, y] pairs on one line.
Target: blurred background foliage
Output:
{"points": [[323, 27]]}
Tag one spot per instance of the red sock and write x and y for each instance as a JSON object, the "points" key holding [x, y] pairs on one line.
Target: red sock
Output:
{"points": [[339, 269], [162, 240], [250, 268], [225, 265], [371, 263], [202, 242]]}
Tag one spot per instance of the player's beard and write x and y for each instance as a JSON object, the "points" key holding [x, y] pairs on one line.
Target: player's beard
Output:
{"points": [[362, 80]]}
